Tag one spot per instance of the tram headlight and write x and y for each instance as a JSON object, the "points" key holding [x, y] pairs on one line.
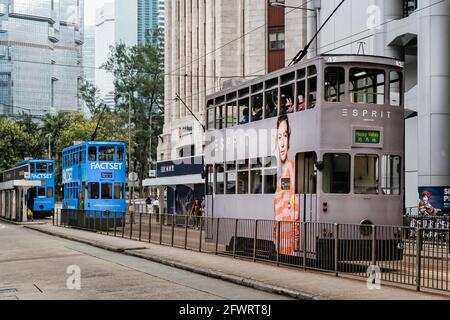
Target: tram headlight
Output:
{"points": [[325, 207]]}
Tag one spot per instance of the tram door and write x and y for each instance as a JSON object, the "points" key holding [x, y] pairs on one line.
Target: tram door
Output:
{"points": [[306, 185], [209, 201]]}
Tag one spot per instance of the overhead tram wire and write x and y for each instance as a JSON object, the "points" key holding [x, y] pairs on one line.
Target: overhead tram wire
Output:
{"points": [[302, 53]]}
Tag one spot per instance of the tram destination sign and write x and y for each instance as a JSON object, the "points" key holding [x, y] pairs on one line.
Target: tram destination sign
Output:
{"points": [[367, 136]]}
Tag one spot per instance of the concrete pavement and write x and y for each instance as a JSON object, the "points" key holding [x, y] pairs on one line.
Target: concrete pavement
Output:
{"points": [[38, 266], [290, 282]]}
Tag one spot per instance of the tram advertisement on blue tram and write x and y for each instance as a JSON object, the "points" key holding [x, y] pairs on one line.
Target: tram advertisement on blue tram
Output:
{"points": [[439, 197]]}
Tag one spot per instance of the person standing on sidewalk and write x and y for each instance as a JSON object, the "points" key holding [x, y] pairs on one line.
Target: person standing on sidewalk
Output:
{"points": [[196, 212]]}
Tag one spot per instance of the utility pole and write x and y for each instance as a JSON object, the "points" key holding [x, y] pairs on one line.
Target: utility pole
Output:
{"points": [[49, 147]]}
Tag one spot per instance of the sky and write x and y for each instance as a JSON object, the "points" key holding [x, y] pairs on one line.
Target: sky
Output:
{"points": [[89, 9]]}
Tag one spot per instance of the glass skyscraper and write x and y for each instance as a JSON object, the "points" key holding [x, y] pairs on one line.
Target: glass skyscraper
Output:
{"points": [[149, 17], [40, 56]]}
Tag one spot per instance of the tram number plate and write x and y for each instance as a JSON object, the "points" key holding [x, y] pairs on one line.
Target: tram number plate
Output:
{"points": [[106, 175], [367, 136]]}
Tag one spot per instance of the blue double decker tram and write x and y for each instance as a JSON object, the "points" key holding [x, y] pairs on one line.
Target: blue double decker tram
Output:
{"points": [[41, 200], [93, 177]]}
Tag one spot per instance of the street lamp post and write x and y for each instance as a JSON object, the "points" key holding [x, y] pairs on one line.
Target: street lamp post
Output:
{"points": [[282, 5]]}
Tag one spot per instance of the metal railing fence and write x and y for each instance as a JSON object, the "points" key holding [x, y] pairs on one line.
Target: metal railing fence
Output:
{"points": [[416, 254]]}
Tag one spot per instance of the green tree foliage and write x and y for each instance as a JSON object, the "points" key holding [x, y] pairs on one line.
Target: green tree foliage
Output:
{"points": [[27, 138], [139, 84]]}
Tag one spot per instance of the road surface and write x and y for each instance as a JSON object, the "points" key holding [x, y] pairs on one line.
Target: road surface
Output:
{"points": [[38, 266]]}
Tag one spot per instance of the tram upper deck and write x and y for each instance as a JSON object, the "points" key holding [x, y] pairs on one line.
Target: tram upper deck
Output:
{"points": [[344, 121]]}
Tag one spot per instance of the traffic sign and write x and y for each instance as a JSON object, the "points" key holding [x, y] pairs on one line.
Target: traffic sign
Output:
{"points": [[133, 177]]}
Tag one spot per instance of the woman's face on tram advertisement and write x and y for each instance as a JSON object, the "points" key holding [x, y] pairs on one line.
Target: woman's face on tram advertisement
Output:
{"points": [[283, 139]]}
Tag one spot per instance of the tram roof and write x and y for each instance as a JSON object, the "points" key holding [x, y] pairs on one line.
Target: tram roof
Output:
{"points": [[22, 163], [339, 58], [97, 143]]}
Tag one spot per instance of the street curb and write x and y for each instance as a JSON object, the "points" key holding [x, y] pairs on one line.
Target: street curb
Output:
{"points": [[250, 283], [28, 223]]}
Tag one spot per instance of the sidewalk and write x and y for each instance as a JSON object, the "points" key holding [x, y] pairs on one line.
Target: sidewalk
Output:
{"points": [[291, 282]]}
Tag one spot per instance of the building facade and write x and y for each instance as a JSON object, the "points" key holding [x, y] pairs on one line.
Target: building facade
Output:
{"points": [[210, 45], [416, 32], [104, 39], [89, 54], [40, 56]]}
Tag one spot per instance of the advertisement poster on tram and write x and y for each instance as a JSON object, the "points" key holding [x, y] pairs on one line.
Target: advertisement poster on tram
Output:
{"points": [[286, 201], [434, 200]]}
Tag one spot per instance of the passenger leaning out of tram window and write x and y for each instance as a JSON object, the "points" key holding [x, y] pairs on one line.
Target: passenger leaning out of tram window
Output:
{"points": [[301, 103], [287, 106], [244, 118]]}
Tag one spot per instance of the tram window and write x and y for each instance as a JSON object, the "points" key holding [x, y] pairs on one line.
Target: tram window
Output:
{"points": [[287, 78], [231, 96], [269, 162], [257, 87], [270, 180], [391, 173], [336, 173], [92, 153], [120, 153], [210, 189], [243, 182], [230, 166], [287, 99], [306, 173], [244, 92], [301, 96], [106, 191], [312, 70], [231, 178], [255, 163], [231, 120], [244, 114], [301, 73], [256, 181], [242, 164], [366, 174], [271, 104], [395, 88], [334, 84], [219, 117], [312, 93], [257, 107], [367, 86], [49, 192], [41, 167], [50, 168], [41, 193], [106, 153], [220, 179], [211, 118], [118, 191], [94, 190]]}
